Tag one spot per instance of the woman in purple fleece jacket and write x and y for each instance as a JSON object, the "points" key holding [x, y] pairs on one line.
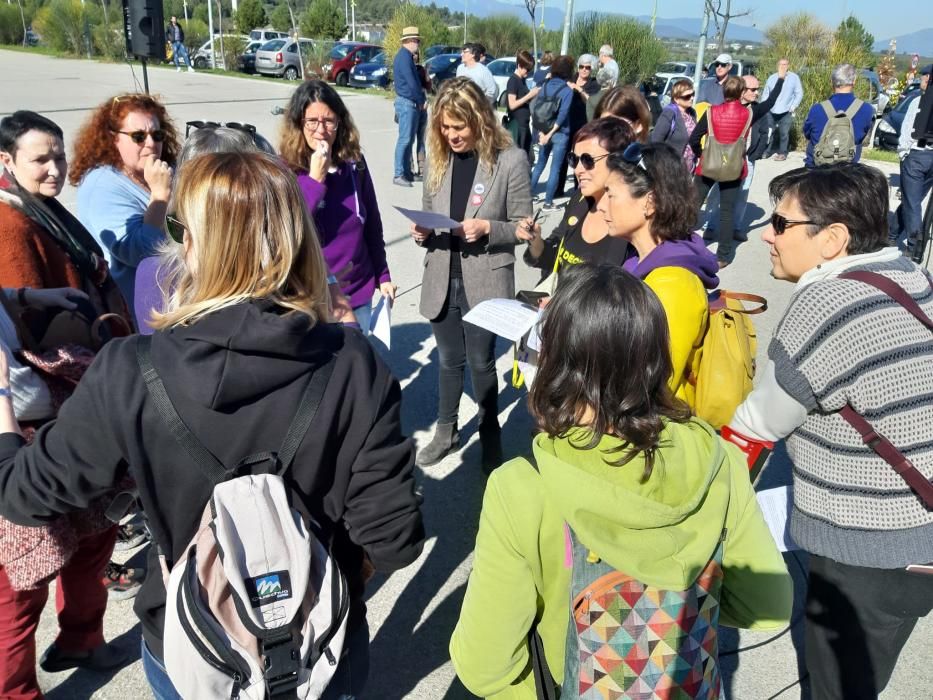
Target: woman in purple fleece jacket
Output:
{"points": [[322, 146]]}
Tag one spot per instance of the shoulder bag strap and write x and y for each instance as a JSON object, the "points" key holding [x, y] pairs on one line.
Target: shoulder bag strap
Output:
{"points": [[893, 290], [890, 454], [748, 124], [828, 108], [307, 409], [854, 108], [745, 296], [209, 465]]}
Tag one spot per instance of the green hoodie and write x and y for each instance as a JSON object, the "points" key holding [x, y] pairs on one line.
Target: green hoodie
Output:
{"points": [[662, 532]]}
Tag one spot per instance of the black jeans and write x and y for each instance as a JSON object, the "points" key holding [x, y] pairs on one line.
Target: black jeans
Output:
{"points": [[459, 344], [728, 191], [858, 619]]}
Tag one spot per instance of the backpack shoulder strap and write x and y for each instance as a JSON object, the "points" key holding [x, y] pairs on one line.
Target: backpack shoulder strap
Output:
{"points": [[828, 109], [853, 108], [748, 123], [209, 465], [307, 409], [893, 290]]}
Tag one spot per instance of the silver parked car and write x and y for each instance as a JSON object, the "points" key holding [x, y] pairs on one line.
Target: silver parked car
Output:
{"points": [[282, 58]]}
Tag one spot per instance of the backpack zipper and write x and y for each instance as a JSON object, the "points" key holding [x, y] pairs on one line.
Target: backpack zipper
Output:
{"points": [[235, 691]]}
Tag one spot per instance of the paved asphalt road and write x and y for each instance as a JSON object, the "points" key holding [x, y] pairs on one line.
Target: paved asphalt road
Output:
{"points": [[412, 612]]}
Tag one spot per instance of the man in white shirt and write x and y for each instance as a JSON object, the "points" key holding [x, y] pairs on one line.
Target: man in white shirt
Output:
{"points": [[916, 172], [477, 72], [781, 116], [608, 64]]}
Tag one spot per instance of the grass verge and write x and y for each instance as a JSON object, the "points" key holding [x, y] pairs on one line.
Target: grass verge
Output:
{"points": [[877, 154]]}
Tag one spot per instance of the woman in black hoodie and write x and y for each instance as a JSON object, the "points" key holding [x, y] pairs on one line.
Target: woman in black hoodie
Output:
{"points": [[245, 328]]}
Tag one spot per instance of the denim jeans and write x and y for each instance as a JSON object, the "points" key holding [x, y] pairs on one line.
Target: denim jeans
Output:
{"points": [[460, 344], [780, 125], [741, 203], [916, 180], [408, 119], [727, 194], [178, 49], [556, 147], [364, 314], [347, 683]]}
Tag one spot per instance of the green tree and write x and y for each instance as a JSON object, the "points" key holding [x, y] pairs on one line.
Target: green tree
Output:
{"points": [[11, 25], [280, 19], [323, 20], [61, 24], [429, 22], [852, 33], [637, 50], [250, 15], [200, 13], [502, 35]]}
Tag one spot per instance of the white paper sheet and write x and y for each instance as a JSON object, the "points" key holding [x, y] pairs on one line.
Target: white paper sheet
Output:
{"points": [[775, 505], [429, 219], [508, 318], [380, 322], [534, 340]]}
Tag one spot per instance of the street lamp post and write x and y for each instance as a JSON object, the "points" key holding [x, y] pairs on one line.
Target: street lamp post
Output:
{"points": [[701, 49], [568, 20]]}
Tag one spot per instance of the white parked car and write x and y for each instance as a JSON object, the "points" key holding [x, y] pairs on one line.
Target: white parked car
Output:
{"points": [[202, 57], [502, 69]]}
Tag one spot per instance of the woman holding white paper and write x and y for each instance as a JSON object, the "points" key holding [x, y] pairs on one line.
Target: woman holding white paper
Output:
{"points": [[322, 146], [476, 176]]}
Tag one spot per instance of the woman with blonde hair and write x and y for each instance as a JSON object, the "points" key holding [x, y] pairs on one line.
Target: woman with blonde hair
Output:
{"points": [[476, 176], [243, 333], [321, 145]]}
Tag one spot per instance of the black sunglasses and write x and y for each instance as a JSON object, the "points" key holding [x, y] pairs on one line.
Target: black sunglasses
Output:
{"points": [[780, 223], [198, 124], [688, 96], [584, 67], [175, 229], [585, 159], [158, 135]]}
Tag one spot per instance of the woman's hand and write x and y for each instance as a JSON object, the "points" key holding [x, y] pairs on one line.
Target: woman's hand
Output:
{"points": [[420, 234], [472, 230], [60, 297], [530, 232], [320, 162], [388, 290], [340, 309], [4, 368], [158, 177], [543, 139], [8, 423]]}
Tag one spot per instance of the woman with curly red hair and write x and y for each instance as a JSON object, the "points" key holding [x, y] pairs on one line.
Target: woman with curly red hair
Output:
{"points": [[122, 167]]}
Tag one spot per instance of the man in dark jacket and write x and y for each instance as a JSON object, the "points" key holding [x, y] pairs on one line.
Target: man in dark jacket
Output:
{"points": [[176, 36], [409, 103]]}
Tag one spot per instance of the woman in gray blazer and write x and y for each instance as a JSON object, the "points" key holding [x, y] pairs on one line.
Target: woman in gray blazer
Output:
{"points": [[476, 176]]}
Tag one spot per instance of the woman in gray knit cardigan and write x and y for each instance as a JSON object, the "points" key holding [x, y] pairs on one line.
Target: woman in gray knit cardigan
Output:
{"points": [[844, 346]]}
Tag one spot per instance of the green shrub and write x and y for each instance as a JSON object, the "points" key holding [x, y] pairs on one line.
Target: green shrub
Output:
{"points": [[502, 35], [432, 28], [323, 20], [636, 49], [62, 22], [249, 15], [11, 25]]}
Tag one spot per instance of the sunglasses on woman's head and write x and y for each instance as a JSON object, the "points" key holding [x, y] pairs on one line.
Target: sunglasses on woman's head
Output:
{"points": [[632, 154], [198, 124], [158, 135], [585, 159], [175, 229], [780, 223]]}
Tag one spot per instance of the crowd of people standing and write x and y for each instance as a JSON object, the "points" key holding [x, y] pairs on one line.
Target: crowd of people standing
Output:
{"points": [[254, 270]]}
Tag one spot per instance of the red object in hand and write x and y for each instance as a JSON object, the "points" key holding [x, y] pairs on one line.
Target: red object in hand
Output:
{"points": [[756, 451]]}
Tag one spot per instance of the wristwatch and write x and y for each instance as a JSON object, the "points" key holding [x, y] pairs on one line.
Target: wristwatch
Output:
{"points": [[6, 392]]}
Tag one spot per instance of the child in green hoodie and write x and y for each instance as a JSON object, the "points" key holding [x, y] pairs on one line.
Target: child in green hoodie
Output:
{"points": [[620, 464]]}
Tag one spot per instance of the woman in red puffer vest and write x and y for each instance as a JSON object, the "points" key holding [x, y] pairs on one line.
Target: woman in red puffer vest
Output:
{"points": [[732, 120]]}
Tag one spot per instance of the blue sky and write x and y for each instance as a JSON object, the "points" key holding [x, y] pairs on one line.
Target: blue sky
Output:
{"points": [[883, 19]]}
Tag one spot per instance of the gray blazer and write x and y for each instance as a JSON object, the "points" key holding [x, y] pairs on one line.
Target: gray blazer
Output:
{"points": [[488, 265]]}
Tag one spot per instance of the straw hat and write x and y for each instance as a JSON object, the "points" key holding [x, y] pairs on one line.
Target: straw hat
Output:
{"points": [[410, 33]]}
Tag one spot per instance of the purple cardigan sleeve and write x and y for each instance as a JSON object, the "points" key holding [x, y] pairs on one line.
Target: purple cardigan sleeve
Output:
{"points": [[372, 231], [313, 192]]}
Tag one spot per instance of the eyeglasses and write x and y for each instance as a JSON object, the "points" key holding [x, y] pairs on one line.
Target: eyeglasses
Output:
{"points": [[198, 124], [757, 89], [585, 159], [158, 135], [780, 223], [632, 154], [175, 229], [329, 123], [688, 96]]}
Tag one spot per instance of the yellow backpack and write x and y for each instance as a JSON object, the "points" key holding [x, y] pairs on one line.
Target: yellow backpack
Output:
{"points": [[724, 369]]}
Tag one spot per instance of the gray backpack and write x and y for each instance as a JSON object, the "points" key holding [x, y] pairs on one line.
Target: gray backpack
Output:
{"points": [[723, 162], [837, 142], [256, 607]]}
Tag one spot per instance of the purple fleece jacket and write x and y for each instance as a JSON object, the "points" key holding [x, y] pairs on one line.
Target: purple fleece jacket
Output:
{"points": [[350, 228], [689, 254]]}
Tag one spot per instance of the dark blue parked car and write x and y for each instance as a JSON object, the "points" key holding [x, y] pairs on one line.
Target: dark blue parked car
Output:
{"points": [[888, 128], [370, 74], [441, 68]]}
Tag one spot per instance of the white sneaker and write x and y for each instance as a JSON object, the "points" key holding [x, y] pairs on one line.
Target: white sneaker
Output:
{"points": [[178, 69], [190, 69]]}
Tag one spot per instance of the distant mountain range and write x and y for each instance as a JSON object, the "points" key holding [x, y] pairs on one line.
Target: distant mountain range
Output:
{"points": [[920, 42], [670, 28]]}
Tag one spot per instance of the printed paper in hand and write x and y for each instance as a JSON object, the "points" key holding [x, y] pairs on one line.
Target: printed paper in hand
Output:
{"points": [[508, 318], [429, 219], [380, 323], [775, 505]]}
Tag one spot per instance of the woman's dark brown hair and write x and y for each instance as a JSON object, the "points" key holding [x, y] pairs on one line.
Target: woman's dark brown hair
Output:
{"points": [[611, 133], [524, 60], [563, 67], [96, 145], [605, 363], [627, 102], [293, 146], [658, 169], [733, 88]]}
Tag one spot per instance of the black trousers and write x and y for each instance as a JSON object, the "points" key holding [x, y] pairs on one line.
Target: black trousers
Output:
{"points": [[728, 191], [858, 620], [460, 344]]}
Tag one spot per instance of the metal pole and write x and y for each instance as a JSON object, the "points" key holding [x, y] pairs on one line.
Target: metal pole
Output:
{"points": [[464, 20], [568, 20], [353, 17], [654, 16], [210, 29], [220, 29], [185, 5], [701, 49], [145, 62]]}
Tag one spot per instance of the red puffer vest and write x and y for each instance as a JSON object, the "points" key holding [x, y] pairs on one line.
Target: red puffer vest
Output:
{"points": [[728, 120]]}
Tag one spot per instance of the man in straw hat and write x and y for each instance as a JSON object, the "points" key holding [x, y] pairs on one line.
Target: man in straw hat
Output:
{"points": [[409, 104]]}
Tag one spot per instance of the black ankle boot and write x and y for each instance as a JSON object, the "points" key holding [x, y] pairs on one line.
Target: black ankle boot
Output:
{"points": [[445, 441], [490, 440]]}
